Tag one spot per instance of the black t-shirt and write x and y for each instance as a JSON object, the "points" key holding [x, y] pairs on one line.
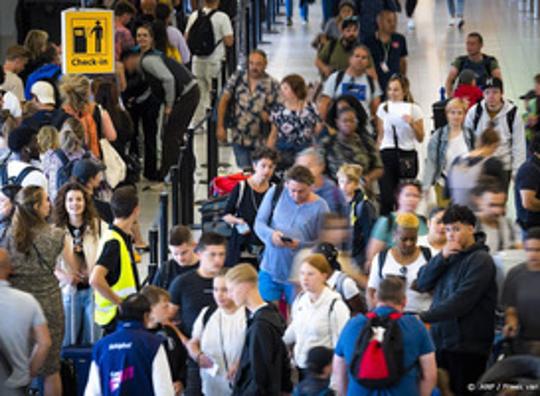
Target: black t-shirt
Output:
{"points": [[527, 178], [387, 53], [521, 291], [110, 257], [169, 271], [104, 210], [191, 292], [176, 352]]}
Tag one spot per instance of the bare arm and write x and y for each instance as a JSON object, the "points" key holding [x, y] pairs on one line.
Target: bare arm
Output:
{"points": [[99, 283], [429, 374], [339, 370], [324, 105], [449, 85], [374, 246], [403, 65], [529, 200], [228, 40], [322, 67], [374, 105], [222, 109], [370, 297], [380, 130], [42, 345], [511, 322], [232, 220], [418, 129], [272, 138]]}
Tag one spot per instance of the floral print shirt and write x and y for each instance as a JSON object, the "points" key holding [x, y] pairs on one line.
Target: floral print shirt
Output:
{"points": [[296, 130]]}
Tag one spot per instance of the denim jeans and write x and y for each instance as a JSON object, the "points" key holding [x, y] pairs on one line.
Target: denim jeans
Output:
{"points": [[79, 313], [455, 7], [304, 14], [242, 154]]}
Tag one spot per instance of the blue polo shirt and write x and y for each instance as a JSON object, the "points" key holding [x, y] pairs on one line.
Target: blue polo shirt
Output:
{"points": [[416, 342]]}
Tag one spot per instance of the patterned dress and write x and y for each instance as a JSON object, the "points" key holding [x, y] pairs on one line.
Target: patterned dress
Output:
{"points": [[34, 274]]}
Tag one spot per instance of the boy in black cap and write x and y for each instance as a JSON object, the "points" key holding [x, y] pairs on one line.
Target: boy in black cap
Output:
{"points": [[18, 169], [317, 382]]}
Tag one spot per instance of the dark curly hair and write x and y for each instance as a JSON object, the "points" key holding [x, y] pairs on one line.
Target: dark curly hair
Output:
{"points": [[60, 215]]}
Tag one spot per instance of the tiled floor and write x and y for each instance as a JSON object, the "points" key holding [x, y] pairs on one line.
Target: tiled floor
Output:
{"points": [[509, 34]]}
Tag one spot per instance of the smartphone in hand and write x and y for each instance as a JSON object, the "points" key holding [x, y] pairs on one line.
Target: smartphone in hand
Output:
{"points": [[286, 239]]}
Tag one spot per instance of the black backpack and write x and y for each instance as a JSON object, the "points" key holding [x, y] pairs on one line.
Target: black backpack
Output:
{"points": [[378, 360], [63, 174], [201, 37]]}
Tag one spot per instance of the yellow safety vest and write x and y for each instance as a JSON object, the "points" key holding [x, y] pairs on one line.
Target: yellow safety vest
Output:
{"points": [[105, 311]]}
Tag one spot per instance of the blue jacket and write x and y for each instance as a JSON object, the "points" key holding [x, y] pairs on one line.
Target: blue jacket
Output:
{"points": [[125, 360], [462, 314], [436, 157]]}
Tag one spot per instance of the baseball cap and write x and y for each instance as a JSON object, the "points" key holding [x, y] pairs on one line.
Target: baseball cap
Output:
{"points": [[528, 95], [85, 169], [467, 77], [20, 137], [318, 358], [44, 92], [493, 82]]}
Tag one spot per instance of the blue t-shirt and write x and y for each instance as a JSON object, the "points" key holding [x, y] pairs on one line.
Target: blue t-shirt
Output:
{"points": [[416, 342]]}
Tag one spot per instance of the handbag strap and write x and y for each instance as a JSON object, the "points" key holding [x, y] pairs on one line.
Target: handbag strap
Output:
{"points": [[396, 143], [41, 260]]}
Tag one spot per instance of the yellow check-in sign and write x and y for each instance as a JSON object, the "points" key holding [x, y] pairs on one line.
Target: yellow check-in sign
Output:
{"points": [[87, 41]]}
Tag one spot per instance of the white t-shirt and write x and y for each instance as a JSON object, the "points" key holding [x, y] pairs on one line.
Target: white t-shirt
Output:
{"points": [[350, 288], [12, 104], [456, 147], [393, 118], [34, 178], [222, 28], [315, 323], [14, 84], [416, 302], [221, 338], [357, 86]]}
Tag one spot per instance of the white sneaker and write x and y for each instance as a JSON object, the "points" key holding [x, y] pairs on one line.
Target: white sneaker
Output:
{"points": [[410, 24], [452, 22]]}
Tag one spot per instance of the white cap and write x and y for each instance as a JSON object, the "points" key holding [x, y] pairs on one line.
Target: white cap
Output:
{"points": [[44, 92]]}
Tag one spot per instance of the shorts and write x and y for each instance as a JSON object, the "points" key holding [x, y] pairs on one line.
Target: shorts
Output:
{"points": [[272, 290]]}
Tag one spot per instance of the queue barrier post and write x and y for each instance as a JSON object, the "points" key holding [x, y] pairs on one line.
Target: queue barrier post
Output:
{"points": [[163, 226]]}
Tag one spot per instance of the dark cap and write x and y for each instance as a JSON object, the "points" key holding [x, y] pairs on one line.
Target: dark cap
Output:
{"points": [[528, 95], [85, 169], [493, 82], [467, 77], [348, 3], [350, 21], [20, 137], [318, 358]]}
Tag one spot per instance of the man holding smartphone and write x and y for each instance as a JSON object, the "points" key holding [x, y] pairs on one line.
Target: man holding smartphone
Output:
{"points": [[292, 223]]}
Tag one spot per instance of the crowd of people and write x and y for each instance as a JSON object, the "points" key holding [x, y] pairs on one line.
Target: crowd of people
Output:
{"points": [[330, 278]]}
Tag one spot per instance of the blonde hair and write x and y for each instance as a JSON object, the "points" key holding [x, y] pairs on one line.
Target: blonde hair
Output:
{"points": [[407, 220], [456, 103], [47, 139], [75, 91], [319, 262], [72, 135], [242, 273], [36, 42], [353, 172]]}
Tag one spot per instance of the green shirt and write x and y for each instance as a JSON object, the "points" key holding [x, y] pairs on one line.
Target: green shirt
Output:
{"points": [[335, 55]]}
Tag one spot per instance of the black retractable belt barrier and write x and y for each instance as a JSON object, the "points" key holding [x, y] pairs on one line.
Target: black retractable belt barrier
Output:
{"points": [[187, 180], [154, 260], [212, 143], [163, 226], [175, 190]]}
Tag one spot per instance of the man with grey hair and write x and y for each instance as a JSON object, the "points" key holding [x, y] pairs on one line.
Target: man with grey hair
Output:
{"points": [[20, 359], [324, 187]]}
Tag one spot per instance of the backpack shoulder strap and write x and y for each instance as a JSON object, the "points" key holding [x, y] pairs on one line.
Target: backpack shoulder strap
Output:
{"points": [[62, 156], [275, 199], [339, 79], [382, 260], [25, 172], [371, 83], [207, 314], [510, 118], [339, 283], [426, 252], [477, 114], [241, 189], [96, 115]]}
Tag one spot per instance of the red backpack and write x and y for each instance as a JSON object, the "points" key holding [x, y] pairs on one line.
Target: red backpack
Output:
{"points": [[378, 358]]}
